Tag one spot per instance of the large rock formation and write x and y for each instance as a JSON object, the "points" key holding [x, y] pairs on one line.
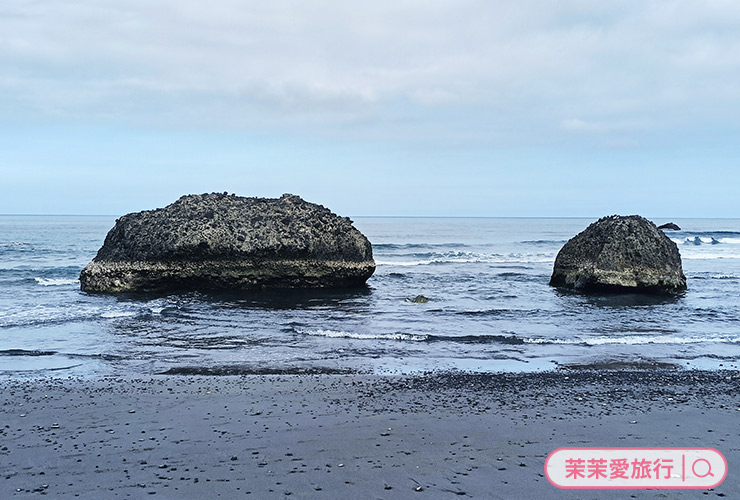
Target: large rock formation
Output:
{"points": [[620, 254], [223, 242]]}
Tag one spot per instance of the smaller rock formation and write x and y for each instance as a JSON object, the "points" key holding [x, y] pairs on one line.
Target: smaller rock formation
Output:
{"points": [[620, 254], [670, 226], [419, 299]]}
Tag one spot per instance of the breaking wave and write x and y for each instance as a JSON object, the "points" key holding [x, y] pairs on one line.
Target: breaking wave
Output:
{"points": [[431, 258], [56, 281], [636, 340], [338, 334], [460, 339]]}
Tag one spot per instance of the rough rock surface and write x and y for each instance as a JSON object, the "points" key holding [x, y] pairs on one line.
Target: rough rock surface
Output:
{"points": [[670, 226], [224, 242], [620, 254]]}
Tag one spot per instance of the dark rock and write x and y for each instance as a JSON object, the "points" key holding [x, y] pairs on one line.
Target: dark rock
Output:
{"points": [[227, 242], [671, 226], [620, 254]]}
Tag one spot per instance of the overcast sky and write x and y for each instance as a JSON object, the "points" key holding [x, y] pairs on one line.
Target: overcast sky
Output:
{"points": [[403, 107]]}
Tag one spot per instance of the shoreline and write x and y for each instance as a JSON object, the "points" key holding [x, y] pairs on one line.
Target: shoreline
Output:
{"points": [[451, 434]]}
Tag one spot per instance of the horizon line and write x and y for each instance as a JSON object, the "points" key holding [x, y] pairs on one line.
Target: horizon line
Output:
{"points": [[410, 216]]}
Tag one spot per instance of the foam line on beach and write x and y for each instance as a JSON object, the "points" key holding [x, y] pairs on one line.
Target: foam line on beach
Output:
{"points": [[635, 340], [361, 336], [460, 339], [232, 370], [515, 340]]}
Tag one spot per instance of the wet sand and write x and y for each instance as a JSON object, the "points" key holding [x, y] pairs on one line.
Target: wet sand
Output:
{"points": [[449, 435]]}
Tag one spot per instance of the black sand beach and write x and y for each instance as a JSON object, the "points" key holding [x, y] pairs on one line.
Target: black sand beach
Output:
{"points": [[438, 435]]}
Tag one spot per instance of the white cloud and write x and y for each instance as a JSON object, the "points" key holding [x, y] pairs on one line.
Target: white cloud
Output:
{"points": [[231, 62]]}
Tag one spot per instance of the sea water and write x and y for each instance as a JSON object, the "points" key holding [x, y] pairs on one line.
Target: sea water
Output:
{"points": [[490, 307]]}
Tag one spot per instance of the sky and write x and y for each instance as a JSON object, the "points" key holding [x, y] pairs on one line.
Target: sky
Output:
{"points": [[406, 107]]}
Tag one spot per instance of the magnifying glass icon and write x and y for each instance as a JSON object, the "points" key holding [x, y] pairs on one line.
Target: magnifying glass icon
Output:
{"points": [[709, 468]]}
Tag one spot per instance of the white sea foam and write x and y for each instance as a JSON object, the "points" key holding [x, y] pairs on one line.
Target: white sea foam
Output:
{"points": [[363, 336], [157, 306], [41, 314], [471, 258], [117, 314], [709, 256], [706, 240], [401, 263], [697, 240], [56, 281], [635, 340]]}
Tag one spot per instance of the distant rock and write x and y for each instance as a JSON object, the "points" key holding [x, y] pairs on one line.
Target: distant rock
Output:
{"points": [[227, 242], [620, 254], [419, 299], [670, 226]]}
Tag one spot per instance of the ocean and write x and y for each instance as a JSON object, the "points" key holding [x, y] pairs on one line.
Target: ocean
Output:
{"points": [[490, 307]]}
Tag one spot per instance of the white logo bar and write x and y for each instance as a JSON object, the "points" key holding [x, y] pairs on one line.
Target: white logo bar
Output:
{"points": [[594, 468]]}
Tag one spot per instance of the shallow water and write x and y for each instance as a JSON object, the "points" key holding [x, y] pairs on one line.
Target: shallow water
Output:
{"points": [[490, 307]]}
